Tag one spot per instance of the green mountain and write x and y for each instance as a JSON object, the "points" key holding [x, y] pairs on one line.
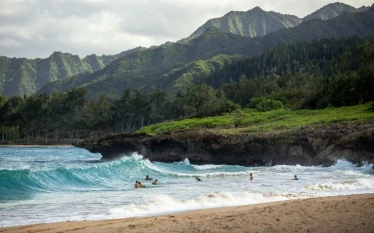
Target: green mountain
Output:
{"points": [[163, 66], [195, 73], [19, 76], [257, 22], [332, 10], [142, 69]]}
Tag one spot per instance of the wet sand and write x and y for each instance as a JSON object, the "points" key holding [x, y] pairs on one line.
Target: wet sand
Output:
{"points": [[354, 213]]}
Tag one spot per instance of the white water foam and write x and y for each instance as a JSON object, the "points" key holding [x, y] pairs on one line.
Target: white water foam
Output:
{"points": [[111, 193], [186, 161], [159, 203], [206, 167], [359, 184]]}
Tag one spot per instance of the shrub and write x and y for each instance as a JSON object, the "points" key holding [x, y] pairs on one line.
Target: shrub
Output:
{"points": [[268, 105]]}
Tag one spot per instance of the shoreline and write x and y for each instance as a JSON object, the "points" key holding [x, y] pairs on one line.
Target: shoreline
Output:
{"points": [[348, 213]]}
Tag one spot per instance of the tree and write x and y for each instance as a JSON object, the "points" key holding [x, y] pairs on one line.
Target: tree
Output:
{"points": [[366, 70]]}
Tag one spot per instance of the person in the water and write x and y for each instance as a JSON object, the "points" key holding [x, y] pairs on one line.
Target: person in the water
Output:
{"points": [[148, 178], [198, 179], [296, 178], [137, 185], [141, 185], [154, 182], [250, 176]]}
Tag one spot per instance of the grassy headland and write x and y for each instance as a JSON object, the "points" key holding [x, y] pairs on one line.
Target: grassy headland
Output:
{"points": [[250, 120]]}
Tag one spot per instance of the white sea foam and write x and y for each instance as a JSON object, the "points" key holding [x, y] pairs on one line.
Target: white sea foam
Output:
{"points": [[151, 166], [358, 184], [186, 161], [211, 174], [159, 203], [104, 190], [206, 167]]}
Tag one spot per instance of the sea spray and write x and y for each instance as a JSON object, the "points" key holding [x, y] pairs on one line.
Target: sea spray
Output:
{"points": [[156, 204], [68, 184]]}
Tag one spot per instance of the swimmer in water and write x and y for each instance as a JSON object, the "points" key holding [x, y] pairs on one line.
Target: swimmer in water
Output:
{"points": [[148, 178], [198, 179], [137, 185], [154, 182], [141, 185], [296, 178], [250, 176]]}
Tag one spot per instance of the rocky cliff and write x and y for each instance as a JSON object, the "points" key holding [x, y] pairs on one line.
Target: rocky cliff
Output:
{"points": [[309, 145]]}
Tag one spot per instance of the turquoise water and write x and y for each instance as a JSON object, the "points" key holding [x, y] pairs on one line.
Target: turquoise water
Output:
{"points": [[40, 185]]}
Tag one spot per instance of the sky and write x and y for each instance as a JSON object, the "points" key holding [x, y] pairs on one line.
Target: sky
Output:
{"points": [[37, 28]]}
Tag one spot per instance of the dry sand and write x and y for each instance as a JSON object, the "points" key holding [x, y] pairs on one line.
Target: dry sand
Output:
{"points": [[353, 213]]}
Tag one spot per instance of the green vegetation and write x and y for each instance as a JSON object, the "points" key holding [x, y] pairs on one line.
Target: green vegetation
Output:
{"points": [[19, 76], [201, 81], [143, 69], [252, 23], [196, 73], [332, 10], [252, 121], [146, 69], [257, 22], [328, 73]]}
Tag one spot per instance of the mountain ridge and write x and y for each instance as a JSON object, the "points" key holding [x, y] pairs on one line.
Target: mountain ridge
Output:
{"points": [[20, 76], [130, 72], [240, 22], [332, 10]]}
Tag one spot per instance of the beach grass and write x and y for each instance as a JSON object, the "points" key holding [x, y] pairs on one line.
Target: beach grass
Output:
{"points": [[251, 120]]}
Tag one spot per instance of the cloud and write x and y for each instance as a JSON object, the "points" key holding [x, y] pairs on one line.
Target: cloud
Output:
{"points": [[37, 28]]}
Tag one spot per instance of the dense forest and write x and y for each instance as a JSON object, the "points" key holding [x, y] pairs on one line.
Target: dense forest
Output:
{"points": [[314, 75]]}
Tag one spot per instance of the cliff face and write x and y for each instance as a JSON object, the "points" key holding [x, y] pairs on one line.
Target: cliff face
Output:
{"points": [[321, 145]]}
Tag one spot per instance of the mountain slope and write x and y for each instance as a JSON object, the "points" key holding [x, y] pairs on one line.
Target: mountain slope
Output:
{"points": [[143, 69], [195, 73], [257, 22], [363, 8], [332, 10], [19, 76]]}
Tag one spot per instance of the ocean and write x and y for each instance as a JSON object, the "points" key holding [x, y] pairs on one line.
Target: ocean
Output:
{"points": [[54, 184]]}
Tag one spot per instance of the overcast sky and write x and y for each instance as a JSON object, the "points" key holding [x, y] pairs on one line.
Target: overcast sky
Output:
{"points": [[37, 28]]}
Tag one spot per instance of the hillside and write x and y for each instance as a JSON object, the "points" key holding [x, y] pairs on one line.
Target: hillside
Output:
{"points": [[19, 76], [257, 22], [306, 137], [332, 10], [195, 73], [320, 74], [252, 121], [143, 69]]}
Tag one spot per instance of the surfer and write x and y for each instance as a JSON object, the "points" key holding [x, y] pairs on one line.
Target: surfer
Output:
{"points": [[154, 182], [250, 176], [148, 178], [296, 178], [198, 179]]}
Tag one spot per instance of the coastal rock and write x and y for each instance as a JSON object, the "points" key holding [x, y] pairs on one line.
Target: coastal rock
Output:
{"points": [[309, 145]]}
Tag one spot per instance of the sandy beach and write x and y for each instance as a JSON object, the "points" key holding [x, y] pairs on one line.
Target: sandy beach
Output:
{"points": [[352, 213]]}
